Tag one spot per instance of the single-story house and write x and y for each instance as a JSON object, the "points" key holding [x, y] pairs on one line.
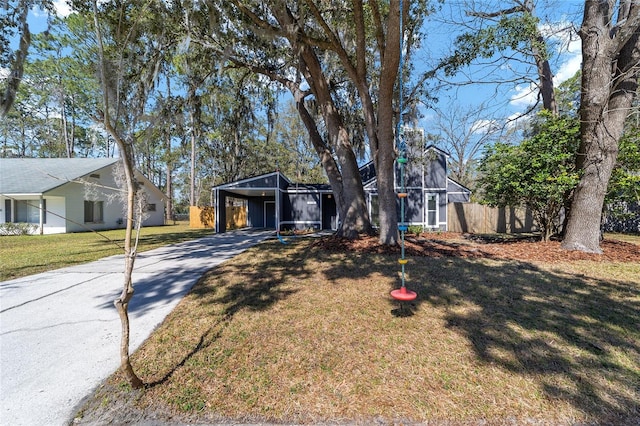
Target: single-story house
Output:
{"points": [[273, 201], [69, 194]]}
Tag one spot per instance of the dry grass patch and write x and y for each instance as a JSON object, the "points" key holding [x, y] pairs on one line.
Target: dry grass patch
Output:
{"points": [[296, 334]]}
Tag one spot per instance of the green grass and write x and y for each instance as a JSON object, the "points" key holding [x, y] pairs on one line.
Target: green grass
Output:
{"points": [[628, 238], [29, 254], [296, 334]]}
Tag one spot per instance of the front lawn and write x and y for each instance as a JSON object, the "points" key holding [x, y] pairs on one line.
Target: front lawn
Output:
{"points": [[29, 254], [301, 334]]}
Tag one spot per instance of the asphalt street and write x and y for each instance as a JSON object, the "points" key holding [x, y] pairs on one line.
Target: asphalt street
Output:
{"points": [[60, 333]]}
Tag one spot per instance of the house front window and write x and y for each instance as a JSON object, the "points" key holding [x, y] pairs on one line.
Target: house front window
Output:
{"points": [[93, 211], [432, 210], [28, 211]]}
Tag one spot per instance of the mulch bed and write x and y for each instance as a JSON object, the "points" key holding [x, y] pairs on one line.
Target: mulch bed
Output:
{"points": [[467, 246]]}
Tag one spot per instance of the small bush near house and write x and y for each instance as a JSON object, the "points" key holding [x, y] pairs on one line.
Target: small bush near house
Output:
{"points": [[17, 228], [415, 229]]}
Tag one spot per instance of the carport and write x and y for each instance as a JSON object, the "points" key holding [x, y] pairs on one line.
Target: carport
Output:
{"points": [[274, 202]]}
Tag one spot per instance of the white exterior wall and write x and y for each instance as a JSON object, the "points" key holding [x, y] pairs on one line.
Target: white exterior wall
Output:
{"points": [[65, 204], [154, 196], [106, 190], [3, 217], [56, 211], [96, 189], [54, 224]]}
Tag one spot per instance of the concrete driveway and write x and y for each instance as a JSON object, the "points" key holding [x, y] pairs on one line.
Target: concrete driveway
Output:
{"points": [[60, 333]]}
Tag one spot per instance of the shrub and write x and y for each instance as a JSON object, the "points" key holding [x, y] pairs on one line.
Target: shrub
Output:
{"points": [[11, 228], [415, 229]]}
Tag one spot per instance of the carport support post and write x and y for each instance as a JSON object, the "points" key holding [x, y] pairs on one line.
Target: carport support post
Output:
{"points": [[278, 203], [216, 215]]}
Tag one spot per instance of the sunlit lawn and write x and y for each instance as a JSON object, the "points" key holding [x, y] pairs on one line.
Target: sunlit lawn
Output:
{"points": [[30, 254], [295, 334], [629, 238]]}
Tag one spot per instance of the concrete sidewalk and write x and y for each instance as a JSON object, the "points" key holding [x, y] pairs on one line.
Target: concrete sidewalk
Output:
{"points": [[60, 333]]}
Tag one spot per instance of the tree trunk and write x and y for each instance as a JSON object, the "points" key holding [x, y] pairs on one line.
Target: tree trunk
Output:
{"points": [[545, 76], [355, 216], [72, 133], [64, 125], [122, 302], [610, 55], [354, 213], [169, 160], [192, 173], [126, 151], [169, 188], [326, 159], [599, 150], [342, 170], [379, 123], [385, 137]]}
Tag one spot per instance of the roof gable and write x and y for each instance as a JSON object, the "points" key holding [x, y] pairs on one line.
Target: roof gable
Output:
{"points": [[452, 186], [368, 170], [267, 180], [39, 175], [438, 150]]}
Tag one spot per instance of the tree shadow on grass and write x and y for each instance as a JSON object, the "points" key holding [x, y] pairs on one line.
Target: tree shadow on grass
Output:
{"points": [[577, 336], [254, 287]]}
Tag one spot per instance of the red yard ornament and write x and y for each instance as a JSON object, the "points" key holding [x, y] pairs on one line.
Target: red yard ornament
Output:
{"points": [[404, 295]]}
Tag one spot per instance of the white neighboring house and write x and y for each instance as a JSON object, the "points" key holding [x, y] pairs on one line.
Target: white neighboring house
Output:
{"points": [[69, 194]]}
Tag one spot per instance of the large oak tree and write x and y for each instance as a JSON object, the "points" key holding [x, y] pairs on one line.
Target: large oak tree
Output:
{"points": [[320, 51], [610, 35]]}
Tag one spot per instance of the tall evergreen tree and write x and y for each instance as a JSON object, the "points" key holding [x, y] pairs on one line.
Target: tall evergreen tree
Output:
{"points": [[13, 22]]}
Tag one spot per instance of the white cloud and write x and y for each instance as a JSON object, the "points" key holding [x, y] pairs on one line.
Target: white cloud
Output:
{"points": [[516, 120], [574, 46], [527, 94], [62, 8], [515, 116], [563, 36], [524, 95], [568, 68], [484, 126], [570, 49]]}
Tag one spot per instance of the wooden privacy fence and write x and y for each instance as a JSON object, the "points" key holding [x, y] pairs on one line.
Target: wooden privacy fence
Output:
{"points": [[480, 219], [204, 217]]}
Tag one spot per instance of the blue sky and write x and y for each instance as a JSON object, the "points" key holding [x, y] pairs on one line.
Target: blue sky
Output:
{"points": [[506, 101], [499, 102]]}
